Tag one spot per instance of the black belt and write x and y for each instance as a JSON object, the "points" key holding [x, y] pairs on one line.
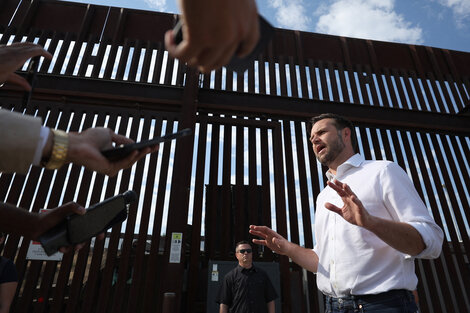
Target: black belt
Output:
{"points": [[373, 297]]}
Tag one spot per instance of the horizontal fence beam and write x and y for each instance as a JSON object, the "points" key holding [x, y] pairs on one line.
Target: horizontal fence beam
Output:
{"points": [[224, 101], [104, 92], [168, 98]]}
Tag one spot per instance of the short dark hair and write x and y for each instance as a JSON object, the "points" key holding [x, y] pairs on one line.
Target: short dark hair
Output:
{"points": [[340, 123], [243, 242]]}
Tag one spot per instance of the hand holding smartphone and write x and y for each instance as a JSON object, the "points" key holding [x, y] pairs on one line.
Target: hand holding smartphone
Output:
{"points": [[79, 228], [237, 64], [120, 152]]}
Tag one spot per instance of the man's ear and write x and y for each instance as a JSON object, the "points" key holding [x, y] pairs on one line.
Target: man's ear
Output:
{"points": [[347, 133]]}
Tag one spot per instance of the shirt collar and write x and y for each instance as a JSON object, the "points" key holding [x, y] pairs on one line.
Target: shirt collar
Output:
{"points": [[242, 269], [354, 161]]}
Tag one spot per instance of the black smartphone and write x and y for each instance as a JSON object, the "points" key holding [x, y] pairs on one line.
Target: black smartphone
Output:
{"points": [[237, 64], [120, 152], [31, 71]]}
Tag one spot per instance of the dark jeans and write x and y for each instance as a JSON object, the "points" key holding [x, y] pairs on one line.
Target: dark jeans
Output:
{"points": [[393, 301]]}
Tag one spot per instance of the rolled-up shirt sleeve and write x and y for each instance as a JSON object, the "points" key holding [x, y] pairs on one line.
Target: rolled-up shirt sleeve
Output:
{"points": [[405, 205], [432, 236]]}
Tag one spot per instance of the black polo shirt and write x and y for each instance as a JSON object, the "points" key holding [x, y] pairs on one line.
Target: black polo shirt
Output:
{"points": [[246, 290], [8, 271]]}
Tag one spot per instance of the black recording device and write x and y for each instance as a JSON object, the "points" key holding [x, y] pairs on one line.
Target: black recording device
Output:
{"points": [[31, 78], [120, 152], [237, 64], [79, 228]]}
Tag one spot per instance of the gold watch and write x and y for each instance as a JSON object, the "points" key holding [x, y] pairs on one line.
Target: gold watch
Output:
{"points": [[59, 150]]}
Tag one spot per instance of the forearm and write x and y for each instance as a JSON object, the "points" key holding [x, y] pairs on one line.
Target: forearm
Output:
{"points": [[223, 308], [306, 258], [400, 236], [14, 220], [271, 307], [7, 292]]}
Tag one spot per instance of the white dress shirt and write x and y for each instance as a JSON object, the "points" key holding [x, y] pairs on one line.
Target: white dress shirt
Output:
{"points": [[353, 260], [43, 135]]}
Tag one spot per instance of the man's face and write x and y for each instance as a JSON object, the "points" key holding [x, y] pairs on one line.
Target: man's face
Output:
{"points": [[326, 140], [244, 255]]}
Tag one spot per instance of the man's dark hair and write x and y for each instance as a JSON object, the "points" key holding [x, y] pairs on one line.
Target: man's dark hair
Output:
{"points": [[243, 242], [340, 123]]}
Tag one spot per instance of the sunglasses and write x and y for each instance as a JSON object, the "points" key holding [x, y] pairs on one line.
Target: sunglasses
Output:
{"points": [[242, 251]]}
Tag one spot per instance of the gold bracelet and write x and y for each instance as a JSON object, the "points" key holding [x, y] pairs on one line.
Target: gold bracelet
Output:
{"points": [[59, 150]]}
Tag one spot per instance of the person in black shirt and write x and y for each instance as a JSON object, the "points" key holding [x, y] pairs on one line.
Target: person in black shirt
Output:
{"points": [[246, 288]]}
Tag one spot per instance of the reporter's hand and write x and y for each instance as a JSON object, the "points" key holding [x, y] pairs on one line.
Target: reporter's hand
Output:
{"points": [[271, 239], [52, 217], [13, 57], [85, 149], [213, 31]]}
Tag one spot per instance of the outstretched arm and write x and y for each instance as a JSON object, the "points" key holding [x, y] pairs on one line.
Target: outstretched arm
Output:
{"points": [[306, 258], [85, 149], [18, 221], [14, 220]]}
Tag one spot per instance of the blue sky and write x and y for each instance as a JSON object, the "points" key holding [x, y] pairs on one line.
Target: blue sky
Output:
{"points": [[436, 23]]}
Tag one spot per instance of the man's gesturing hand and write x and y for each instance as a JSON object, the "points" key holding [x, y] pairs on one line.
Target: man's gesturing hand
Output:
{"points": [[352, 211], [271, 239]]}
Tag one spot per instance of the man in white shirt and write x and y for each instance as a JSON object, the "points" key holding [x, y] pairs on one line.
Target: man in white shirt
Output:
{"points": [[370, 225]]}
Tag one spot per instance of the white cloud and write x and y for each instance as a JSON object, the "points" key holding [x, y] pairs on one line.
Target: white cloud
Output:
{"points": [[461, 9], [159, 5], [290, 14], [371, 19]]}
